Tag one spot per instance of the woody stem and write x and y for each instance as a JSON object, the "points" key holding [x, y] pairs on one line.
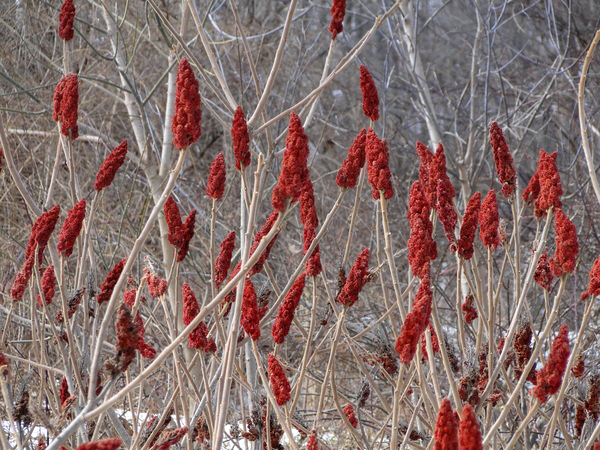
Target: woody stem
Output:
{"points": [[307, 348], [283, 420], [359, 187], [515, 318], [532, 360], [389, 253], [574, 355], [491, 341], [334, 342], [515, 438], [459, 315]]}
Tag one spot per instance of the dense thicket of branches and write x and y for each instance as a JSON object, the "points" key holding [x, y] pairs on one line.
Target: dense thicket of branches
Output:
{"points": [[444, 70]]}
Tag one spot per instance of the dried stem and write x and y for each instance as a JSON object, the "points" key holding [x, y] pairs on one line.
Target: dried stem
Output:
{"points": [[589, 157]]}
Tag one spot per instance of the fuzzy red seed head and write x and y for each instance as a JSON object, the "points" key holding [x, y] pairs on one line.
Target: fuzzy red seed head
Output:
{"points": [[57, 99], [44, 227], [580, 417], [110, 166], [425, 160], [469, 309], [549, 378], [349, 413], [20, 284], [66, 20], [313, 265], [279, 382], [71, 228], [216, 178], [438, 188], [241, 139], [505, 167], [190, 305], [378, 168], [446, 210], [543, 275], [156, 286], [446, 428], [48, 286], [250, 319], [567, 247], [202, 430], [40, 233], [356, 279], [285, 315], [522, 347], [294, 168], [418, 206], [308, 211], [173, 219], [348, 174], [532, 191], [198, 338], [104, 444], [223, 261], [549, 181], [188, 115], [489, 221], [310, 220], [469, 227], [66, 99], [127, 341], [421, 247], [370, 97], [592, 403], [437, 176], [24, 275], [338, 11], [313, 442], [415, 323], [109, 283], [170, 438], [594, 284], [63, 393], [437, 173], [143, 347], [38, 238], [186, 233], [469, 434], [129, 297], [308, 235]]}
